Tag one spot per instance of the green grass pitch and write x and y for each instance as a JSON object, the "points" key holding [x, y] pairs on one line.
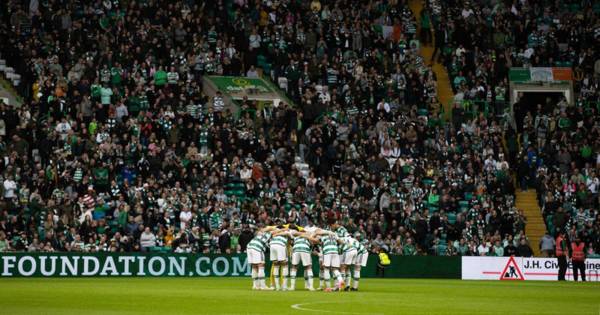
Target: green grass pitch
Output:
{"points": [[234, 296]]}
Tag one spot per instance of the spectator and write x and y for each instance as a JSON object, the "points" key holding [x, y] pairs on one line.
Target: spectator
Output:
{"points": [[364, 138], [4, 243], [547, 245], [147, 239], [10, 187], [524, 250]]}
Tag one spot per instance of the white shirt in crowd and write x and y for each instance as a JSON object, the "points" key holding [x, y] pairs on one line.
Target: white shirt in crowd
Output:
{"points": [[184, 217], [122, 111], [147, 239], [9, 188], [63, 129], [483, 249], [466, 12], [218, 104], [245, 173], [383, 106], [254, 41]]}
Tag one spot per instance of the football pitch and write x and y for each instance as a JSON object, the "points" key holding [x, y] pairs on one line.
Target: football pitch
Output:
{"points": [[234, 296]]}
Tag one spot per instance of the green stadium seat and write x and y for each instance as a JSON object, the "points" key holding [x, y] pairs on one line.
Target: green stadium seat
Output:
{"points": [[441, 249], [464, 205], [260, 59], [451, 218], [468, 196], [266, 68]]}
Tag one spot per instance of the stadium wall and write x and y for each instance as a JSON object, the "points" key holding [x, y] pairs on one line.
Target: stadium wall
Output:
{"points": [[194, 265]]}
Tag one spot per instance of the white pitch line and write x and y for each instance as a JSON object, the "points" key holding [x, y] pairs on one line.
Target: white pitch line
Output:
{"points": [[300, 307]]}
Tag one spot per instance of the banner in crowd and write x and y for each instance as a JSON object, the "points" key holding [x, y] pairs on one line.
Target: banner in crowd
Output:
{"points": [[196, 265], [540, 74], [240, 84], [521, 268]]}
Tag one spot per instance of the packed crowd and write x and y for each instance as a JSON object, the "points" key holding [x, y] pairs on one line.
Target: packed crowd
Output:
{"points": [[559, 142], [118, 149]]}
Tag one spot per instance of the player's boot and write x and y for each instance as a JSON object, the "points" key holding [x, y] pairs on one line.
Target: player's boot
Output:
{"points": [[347, 288], [353, 289], [267, 288], [312, 289]]}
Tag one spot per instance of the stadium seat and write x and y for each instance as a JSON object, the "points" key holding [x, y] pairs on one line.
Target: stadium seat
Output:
{"points": [[451, 217], [441, 249], [468, 196], [266, 68], [464, 205], [261, 59]]}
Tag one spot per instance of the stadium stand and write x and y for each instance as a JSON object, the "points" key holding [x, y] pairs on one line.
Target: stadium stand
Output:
{"points": [[561, 143], [116, 136]]}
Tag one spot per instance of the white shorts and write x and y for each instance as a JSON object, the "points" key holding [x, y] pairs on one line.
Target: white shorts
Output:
{"points": [[320, 258], [303, 258], [278, 253], [349, 257], [361, 259], [255, 257], [331, 261]]}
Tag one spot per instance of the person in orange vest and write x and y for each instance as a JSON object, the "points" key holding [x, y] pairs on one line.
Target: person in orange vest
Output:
{"points": [[578, 258], [561, 254]]}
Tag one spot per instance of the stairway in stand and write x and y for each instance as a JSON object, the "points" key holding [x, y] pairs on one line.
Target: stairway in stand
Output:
{"points": [[444, 89], [536, 227]]}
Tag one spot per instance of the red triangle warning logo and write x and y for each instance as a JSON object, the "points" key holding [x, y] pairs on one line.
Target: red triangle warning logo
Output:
{"points": [[511, 271]]}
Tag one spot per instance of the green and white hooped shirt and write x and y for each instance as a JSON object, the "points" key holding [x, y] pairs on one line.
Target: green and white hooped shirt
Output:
{"points": [[301, 245], [279, 240], [350, 244], [329, 244], [259, 242]]}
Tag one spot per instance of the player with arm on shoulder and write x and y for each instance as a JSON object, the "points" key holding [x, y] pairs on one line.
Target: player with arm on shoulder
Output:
{"points": [[349, 253], [256, 258], [340, 230], [317, 232], [301, 253], [361, 261], [278, 256], [331, 261]]}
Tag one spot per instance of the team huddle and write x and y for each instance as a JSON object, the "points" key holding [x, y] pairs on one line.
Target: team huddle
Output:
{"points": [[338, 252]]}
